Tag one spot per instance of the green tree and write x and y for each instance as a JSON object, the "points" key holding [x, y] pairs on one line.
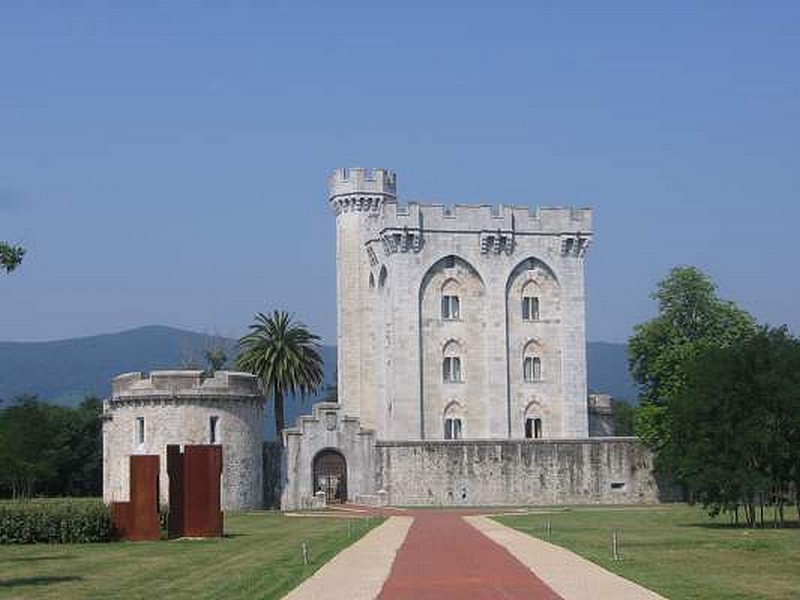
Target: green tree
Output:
{"points": [[738, 443], [81, 446], [50, 450], [28, 457], [10, 256], [624, 415], [216, 359], [691, 319], [285, 356]]}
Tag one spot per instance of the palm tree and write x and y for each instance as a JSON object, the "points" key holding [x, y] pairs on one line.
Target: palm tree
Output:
{"points": [[284, 354]]}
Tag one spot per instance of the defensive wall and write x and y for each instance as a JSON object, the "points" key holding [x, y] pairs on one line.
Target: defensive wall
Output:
{"points": [[463, 472], [516, 472]]}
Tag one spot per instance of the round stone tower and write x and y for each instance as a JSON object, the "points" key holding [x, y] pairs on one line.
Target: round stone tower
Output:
{"points": [[357, 196], [145, 414]]}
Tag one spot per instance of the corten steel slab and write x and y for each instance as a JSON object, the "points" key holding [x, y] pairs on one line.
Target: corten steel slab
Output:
{"points": [[195, 479], [142, 521], [176, 491], [119, 519]]}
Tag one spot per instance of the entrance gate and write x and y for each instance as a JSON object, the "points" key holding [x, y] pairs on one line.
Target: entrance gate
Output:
{"points": [[330, 476]]}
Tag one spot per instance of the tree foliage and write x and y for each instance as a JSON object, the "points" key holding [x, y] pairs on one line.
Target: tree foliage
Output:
{"points": [[216, 359], [691, 319], [285, 356], [50, 450], [10, 256], [737, 434], [624, 415]]}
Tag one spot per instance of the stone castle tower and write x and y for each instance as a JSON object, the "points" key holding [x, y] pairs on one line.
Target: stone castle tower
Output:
{"points": [[458, 322]]}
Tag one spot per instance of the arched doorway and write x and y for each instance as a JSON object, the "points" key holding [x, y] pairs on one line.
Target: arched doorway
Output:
{"points": [[330, 476]]}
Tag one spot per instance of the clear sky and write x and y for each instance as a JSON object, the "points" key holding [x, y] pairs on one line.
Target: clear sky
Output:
{"points": [[166, 162]]}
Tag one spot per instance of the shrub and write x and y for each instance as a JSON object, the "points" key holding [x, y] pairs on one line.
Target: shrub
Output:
{"points": [[55, 521]]}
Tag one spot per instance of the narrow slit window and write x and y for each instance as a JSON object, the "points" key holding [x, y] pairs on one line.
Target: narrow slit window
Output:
{"points": [[140, 430], [212, 429]]}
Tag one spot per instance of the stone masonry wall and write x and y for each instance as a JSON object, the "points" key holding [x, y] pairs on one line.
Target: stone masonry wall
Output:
{"points": [[516, 472]]}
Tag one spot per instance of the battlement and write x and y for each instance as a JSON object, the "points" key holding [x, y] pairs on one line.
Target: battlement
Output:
{"points": [[184, 384], [362, 181], [487, 217]]}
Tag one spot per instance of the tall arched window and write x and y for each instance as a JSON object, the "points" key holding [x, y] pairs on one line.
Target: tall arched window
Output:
{"points": [[534, 427], [451, 363], [453, 421], [530, 301], [532, 362], [451, 300]]}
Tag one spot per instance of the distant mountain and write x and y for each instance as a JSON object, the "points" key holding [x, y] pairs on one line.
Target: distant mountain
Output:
{"points": [[65, 371]]}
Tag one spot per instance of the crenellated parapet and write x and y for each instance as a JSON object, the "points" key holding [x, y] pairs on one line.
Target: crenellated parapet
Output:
{"points": [[361, 190], [185, 384], [487, 217]]}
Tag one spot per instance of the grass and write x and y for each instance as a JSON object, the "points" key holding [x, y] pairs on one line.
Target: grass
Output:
{"points": [[260, 557], [678, 550]]}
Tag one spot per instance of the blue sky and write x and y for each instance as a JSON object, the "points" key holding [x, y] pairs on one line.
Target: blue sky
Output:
{"points": [[165, 162]]}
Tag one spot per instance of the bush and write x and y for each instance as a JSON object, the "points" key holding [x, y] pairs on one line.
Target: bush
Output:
{"points": [[56, 521]]}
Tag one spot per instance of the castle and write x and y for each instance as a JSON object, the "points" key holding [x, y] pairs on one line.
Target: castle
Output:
{"points": [[461, 372], [458, 322]]}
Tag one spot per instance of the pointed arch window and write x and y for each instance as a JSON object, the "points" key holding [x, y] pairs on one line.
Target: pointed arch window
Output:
{"points": [[532, 368], [530, 301], [532, 362], [451, 300], [453, 421], [451, 363], [533, 427], [452, 428]]}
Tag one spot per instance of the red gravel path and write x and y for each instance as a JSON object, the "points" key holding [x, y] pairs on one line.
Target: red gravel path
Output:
{"points": [[444, 558]]}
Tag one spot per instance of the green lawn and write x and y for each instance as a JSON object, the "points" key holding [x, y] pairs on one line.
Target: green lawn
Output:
{"points": [[260, 557], [679, 551]]}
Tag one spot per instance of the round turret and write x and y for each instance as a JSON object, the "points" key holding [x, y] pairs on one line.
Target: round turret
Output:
{"points": [[145, 413], [359, 189]]}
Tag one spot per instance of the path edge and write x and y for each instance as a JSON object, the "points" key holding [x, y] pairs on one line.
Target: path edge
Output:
{"points": [[569, 575], [359, 571]]}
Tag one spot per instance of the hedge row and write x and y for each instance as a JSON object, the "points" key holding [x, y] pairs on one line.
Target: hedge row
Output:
{"points": [[61, 521]]}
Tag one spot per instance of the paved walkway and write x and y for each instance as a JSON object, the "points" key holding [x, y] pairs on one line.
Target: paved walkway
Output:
{"points": [[460, 555], [357, 572], [573, 577], [444, 558]]}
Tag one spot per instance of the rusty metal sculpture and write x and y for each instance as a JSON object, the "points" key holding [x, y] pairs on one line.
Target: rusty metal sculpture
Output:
{"points": [[194, 491], [137, 519]]}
